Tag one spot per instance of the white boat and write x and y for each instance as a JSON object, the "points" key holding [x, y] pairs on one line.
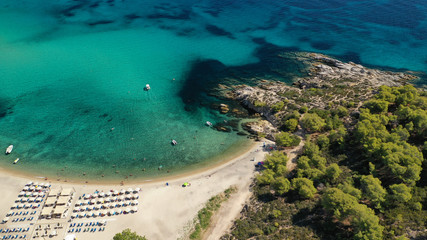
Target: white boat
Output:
{"points": [[9, 149], [147, 87], [173, 142], [14, 162], [208, 123]]}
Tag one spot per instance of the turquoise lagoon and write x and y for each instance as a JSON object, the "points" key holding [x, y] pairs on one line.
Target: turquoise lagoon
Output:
{"points": [[72, 73]]}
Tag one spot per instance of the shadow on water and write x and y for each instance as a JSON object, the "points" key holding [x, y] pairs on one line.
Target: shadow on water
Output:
{"points": [[6, 107], [205, 75]]}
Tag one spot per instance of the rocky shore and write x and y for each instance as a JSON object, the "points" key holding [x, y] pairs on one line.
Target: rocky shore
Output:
{"points": [[326, 83]]}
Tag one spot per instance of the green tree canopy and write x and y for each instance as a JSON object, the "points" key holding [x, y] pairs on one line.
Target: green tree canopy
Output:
{"points": [[333, 171], [350, 189], [291, 124], [286, 139], [400, 193], [373, 190], [377, 106], [281, 185], [366, 224], [304, 187], [312, 122], [127, 234]]}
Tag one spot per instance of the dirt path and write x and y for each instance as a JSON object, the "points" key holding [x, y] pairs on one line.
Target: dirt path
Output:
{"points": [[294, 152], [223, 219]]}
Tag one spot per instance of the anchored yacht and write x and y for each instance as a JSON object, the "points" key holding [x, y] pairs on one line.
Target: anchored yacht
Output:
{"points": [[9, 149]]}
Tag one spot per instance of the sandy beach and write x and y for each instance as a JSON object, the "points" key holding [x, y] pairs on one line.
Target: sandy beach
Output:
{"points": [[164, 212]]}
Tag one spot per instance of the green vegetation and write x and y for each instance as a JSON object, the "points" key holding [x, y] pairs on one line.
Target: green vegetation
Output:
{"points": [[360, 176], [285, 139], [204, 215], [127, 234], [312, 122]]}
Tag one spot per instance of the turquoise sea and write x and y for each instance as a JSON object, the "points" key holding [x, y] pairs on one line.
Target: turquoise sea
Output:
{"points": [[72, 73]]}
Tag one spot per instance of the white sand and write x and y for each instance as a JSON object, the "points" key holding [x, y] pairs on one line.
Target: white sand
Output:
{"points": [[164, 212]]}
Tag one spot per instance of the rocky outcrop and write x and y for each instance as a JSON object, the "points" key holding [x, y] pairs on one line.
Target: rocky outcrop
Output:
{"points": [[263, 127], [328, 82], [324, 71]]}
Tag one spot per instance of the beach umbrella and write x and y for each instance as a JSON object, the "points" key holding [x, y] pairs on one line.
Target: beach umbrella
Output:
{"points": [[101, 194], [76, 209], [36, 184], [86, 202], [87, 196], [96, 213], [78, 203], [95, 195], [107, 194], [112, 212], [26, 188], [137, 190], [22, 193], [135, 196], [121, 198], [107, 199], [9, 213], [14, 205], [74, 215], [29, 183], [135, 209], [128, 196], [130, 190], [114, 199], [93, 201], [115, 192], [135, 202], [122, 191], [32, 188], [102, 222], [127, 210], [125, 204], [112, 205], [20, 205]]}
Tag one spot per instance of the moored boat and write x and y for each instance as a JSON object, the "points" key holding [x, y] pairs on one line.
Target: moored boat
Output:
{"points": [[16, 160], [208, 123], [173, 142], [147, 87], [9, 149]]}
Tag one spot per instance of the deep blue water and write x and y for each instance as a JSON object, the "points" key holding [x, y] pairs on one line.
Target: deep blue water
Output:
{"points": [[70, 71]]}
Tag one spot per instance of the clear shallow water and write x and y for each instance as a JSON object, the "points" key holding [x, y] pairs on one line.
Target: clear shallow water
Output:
{"points": [[71, 71]]}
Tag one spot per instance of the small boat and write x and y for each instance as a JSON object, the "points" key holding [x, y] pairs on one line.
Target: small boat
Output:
{"points": [[9, 149], [147, 87], [209, 124], [16, 160], [173, 142]]}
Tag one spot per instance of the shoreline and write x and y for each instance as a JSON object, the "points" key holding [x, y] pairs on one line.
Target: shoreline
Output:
{"points": [[223, 158], [166, 212], [213, 163]]}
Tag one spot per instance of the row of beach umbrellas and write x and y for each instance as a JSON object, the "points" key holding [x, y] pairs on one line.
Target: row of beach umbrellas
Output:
{"points": [[36, 184], [111, 193], [31, 194], [104, 213], [30, 200], [107, 199], [19, 206], [105, 206]]}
